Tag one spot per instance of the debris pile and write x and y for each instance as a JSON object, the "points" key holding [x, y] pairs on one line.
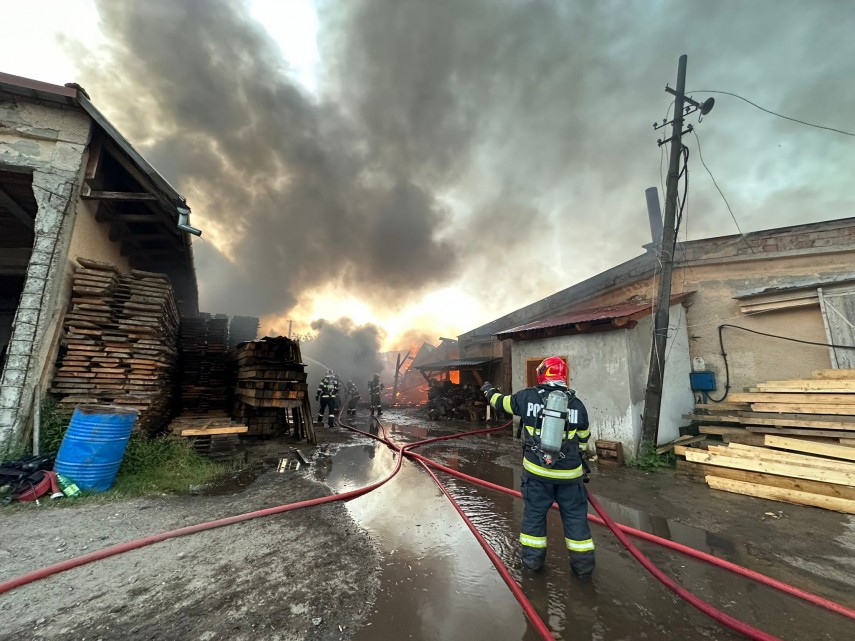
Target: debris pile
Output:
{"points": [[270, 392], [790, 441], [119, 342], [447, 400]]}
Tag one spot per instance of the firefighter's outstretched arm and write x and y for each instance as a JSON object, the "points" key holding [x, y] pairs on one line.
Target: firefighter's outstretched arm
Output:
{"points": [[499, 401]]}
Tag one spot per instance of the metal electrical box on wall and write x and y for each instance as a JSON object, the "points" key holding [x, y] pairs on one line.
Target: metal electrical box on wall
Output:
{"points": [[703, 381]]}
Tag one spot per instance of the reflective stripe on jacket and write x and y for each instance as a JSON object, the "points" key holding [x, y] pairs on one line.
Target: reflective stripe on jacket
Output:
{"points": [[527, 404]]}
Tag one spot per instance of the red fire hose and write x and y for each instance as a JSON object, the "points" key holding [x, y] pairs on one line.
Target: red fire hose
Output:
{"points": [[119, 548], [617, 529], [703, 606], [672, 545]]}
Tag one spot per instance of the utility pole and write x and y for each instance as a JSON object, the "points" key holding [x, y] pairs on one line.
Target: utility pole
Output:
{"points": [[290, 323], [655, 375]]}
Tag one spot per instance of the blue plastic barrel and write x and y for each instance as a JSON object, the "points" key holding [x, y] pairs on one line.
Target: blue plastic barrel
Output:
{"points": [[94, 444]]}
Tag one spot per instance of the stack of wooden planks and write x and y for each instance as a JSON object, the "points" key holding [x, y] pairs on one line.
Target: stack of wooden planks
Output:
{"points": [[203, 343], [270, 386], [787, 440], [213, 435], [119, 342]]}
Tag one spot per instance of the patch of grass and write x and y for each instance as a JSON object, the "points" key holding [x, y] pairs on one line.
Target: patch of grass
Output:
{"points": [[162, 465], [650, 461], [52, 427]]}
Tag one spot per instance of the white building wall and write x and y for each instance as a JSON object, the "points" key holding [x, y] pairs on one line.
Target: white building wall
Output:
{"points": [[608, 370], [598, 372], [677, 397]]}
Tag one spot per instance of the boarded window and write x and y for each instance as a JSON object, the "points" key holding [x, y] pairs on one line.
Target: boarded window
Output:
{"points": [[838, 314], [531, 369]]}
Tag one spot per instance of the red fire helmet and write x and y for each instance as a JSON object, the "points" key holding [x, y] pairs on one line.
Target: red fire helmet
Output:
{"points": [[552, 369]]}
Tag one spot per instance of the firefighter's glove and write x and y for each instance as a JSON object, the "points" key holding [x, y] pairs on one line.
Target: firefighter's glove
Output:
{"points": [[486, 387], [318, 396]]}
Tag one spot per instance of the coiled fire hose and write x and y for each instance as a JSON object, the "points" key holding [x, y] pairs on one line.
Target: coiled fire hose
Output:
{"points": [[62, 566]]}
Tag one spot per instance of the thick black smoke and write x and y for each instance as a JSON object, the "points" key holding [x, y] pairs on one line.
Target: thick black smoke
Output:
{"points": [[350, 350], [533, 118]]}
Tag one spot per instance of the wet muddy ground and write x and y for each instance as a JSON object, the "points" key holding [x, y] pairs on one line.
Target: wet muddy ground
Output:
{"points": [[399, 563]]}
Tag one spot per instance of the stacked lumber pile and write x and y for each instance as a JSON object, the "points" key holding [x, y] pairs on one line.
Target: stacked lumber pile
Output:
{"points": [[242, 329], [788, 440], [270, 390], [203, 343], [119, 342]]}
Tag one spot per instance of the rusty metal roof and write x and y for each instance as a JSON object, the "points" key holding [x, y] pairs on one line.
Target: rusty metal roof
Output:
{"points": [[601, 316], [459, 363]]}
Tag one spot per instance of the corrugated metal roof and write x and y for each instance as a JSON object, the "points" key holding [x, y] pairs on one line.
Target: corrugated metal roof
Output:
{"points": [[598, 315], [441, 366]]}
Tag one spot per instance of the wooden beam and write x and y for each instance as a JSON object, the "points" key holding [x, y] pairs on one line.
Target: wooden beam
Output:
{"points": [[844, 410], [813, 447], [699, 470], [772, 467], [16, 210], [796, 497], [786, 431], [118, 196], [737, 449], [237, 429], [93, 162], [798, 398], [834, 374]]}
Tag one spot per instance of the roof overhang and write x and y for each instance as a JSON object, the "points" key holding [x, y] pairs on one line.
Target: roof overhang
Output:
{"points": [[586, 321]]}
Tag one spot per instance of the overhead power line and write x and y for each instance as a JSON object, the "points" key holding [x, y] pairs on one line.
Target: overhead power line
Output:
{"points": [[769, 111], [735, 222]]}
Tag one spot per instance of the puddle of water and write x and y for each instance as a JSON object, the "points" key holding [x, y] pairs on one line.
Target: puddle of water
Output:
{"points": [[233, 483], [437, 583]]}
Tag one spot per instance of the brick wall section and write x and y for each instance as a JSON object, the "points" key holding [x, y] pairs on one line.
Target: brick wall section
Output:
{"points": [[49, 141]]}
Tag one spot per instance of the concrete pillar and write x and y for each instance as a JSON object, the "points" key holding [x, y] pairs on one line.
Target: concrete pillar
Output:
{"points": [[51, 143]]}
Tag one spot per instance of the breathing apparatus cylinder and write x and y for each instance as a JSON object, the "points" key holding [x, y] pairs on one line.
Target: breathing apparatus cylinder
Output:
{"points": [[552, 426]]}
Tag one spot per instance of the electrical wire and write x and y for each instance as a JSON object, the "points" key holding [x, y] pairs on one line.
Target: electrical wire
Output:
{"points": [[721, 329], [769, 111], [732, 215]]}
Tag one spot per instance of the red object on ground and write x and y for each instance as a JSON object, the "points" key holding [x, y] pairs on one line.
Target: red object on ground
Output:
{"points": [[673, 545], [37, 490]]}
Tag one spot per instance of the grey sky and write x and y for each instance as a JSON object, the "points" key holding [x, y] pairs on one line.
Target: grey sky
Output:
{"points": [[499, 147]]}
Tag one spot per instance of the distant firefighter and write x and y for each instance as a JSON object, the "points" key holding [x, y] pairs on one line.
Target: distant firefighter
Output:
{"points": [[351, 391], [375, 389], [327, 394]]}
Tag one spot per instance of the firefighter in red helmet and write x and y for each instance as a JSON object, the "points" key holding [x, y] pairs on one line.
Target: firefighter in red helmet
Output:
{"points": [[553, 471]]}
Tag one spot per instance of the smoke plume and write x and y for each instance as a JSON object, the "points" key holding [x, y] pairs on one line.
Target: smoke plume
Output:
{"points": [[503, 146], [350, 350]]}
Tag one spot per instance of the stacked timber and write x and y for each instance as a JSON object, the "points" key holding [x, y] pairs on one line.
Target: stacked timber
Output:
{"points": [[787, 440], [242, 329], [203, 343], [119, 342], [270, 391]]}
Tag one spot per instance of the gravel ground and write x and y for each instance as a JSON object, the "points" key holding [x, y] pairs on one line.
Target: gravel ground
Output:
{"points": [[272, 578]]}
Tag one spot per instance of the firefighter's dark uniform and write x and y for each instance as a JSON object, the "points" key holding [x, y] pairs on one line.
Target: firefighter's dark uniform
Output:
{"points": [[327, 394], [351, 390], [561, 482], [375, 388]]}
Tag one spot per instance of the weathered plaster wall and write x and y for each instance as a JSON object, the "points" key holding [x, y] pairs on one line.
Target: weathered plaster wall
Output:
{"points": [[51, 142], [752, 358], [91, 239], [677, 397], [609, 372], [598, 372]]}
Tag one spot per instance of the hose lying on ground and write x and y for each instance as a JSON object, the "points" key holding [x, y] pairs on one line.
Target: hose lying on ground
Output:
{"points": [[131, 545]]}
